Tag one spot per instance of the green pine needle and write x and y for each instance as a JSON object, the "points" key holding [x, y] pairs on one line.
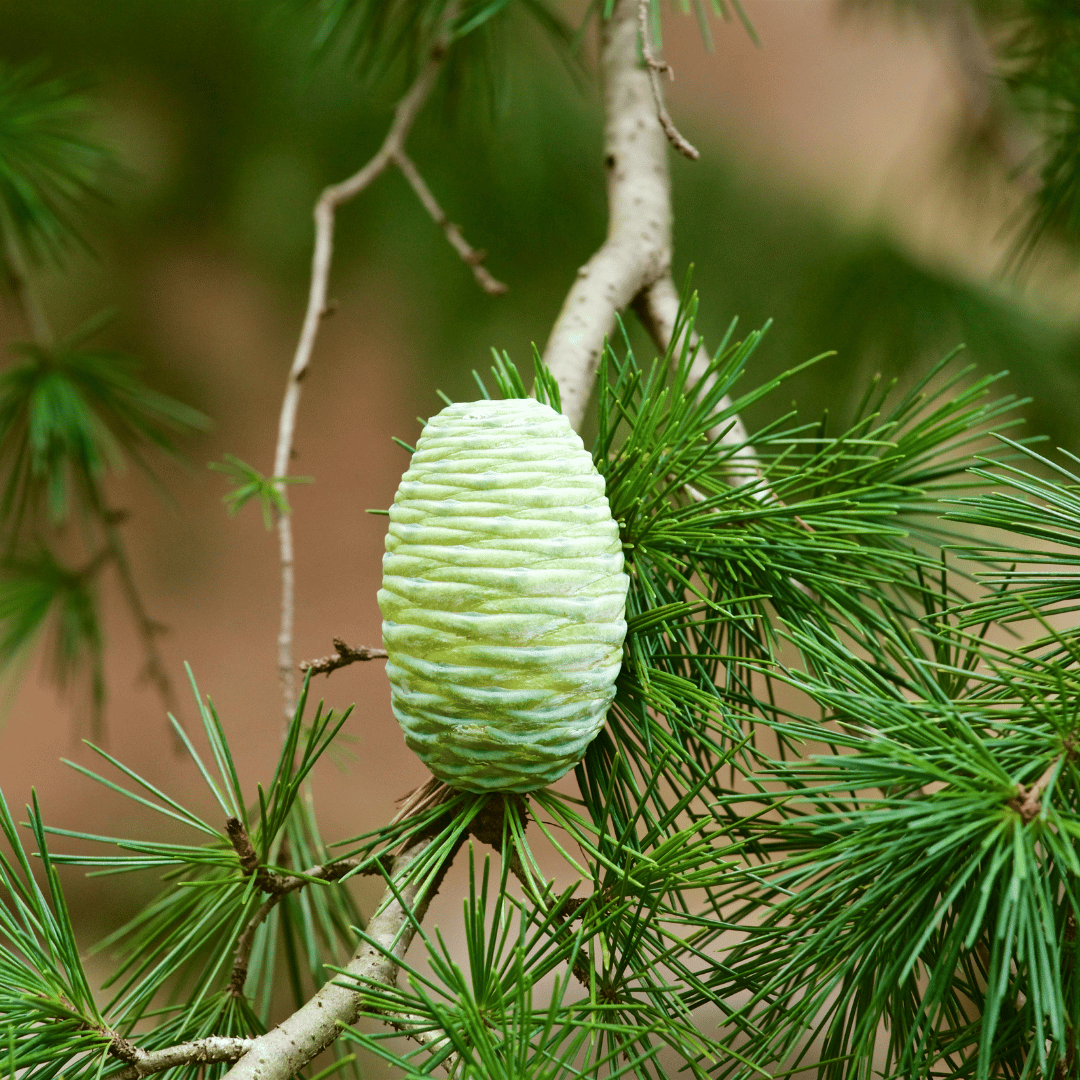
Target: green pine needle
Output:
{"points": [[49, 166]]}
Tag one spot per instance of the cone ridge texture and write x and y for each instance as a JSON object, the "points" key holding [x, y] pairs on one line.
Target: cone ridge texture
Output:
{"points": [[503, 597]]}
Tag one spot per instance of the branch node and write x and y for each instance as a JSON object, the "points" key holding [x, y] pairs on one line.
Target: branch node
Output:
{"points": [[249, 859], [124, 1049]]}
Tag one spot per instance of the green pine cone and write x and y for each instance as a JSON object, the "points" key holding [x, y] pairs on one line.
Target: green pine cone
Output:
{"points": [[503, 597]]}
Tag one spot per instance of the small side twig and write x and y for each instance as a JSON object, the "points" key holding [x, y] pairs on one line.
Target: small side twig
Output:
{"points": [[37, 322], [213, 1049], [154, 670], [286, 1049], [279, 887], [473, 257], [657, 306], [392, 152], [345, 655], [656, 69], [488, 828], [41, 330]]}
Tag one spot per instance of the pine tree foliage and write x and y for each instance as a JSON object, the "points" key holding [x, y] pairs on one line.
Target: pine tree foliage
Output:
{"points": [[1041, 69], [1036, 51], [49, 166], [70, 411], [830, 827], [927, 860]]}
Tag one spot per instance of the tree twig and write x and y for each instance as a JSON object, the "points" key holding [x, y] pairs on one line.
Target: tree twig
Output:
{"points": [[633, 265], [1028, 800], [154, 670], [656, 68], [488, 827], [37, 322], [657, 306], [472, 256], [392, 152], [280, 887], [637, 250], [287, 1048], [344, 656], [214, 1048]]}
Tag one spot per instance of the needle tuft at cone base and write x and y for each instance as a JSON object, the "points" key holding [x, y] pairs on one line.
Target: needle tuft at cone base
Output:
{"points": [[503, 597]]}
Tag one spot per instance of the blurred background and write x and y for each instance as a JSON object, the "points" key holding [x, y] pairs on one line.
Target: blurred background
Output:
{"points": [[846, 190]]}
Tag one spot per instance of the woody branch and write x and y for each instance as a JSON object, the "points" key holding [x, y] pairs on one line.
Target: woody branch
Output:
{"points": [[632, 268], [391, 153]]}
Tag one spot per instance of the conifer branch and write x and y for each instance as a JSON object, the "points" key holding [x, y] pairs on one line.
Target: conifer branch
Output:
{"points": [[472, 257], [979, 85], [658, 309], [154, 669], [633, 265], [392, 152], [37, 322], [1028, 801], [637, 250], [286, 1049], [279, 887]]}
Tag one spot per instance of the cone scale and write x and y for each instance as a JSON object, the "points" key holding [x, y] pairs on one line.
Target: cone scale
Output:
{"points": [[503, 597]]}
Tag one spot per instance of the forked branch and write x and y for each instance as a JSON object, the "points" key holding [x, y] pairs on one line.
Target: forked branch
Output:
{"points": [[1028, 800], [286, 1049], [149, 630], [279, 886], [392, 152], [633, 266]]}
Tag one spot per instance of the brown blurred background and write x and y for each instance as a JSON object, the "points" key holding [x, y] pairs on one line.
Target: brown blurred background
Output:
{"points": [[836, 193]]}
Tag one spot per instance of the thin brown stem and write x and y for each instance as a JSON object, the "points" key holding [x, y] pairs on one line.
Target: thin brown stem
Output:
{"points": [[657, 306], [280, 888], [1028, 800], [37, 322], [392, 152], [470, 255], [149, 630], [154, 670], [287, 1048], [489, 828], [656, 68], [345, 655]]}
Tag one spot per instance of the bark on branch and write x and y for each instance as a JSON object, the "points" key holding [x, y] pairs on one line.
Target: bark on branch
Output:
{"points": [[1028, 800], [215, 1048], [280, 887], [656, 68], [633, 266]]}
